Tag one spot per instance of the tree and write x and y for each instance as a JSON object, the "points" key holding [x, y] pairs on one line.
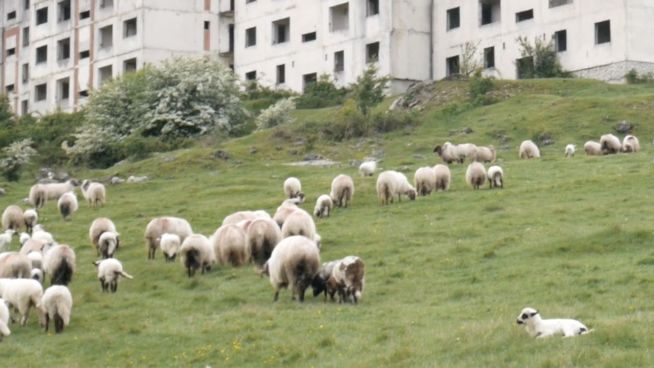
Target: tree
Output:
{"points": [[369, 89], [539, 60], [469, 60]]}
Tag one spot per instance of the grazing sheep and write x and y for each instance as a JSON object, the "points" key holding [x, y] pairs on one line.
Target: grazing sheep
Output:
{"points": [[15, 265], [368, 168], [261, 237], [294, 262], [5, 239], [94, 193], [323, 282], [630, 143], [54, 191], [161, 225], [443, 177], [293, 188], [30, 218], [99, 226], [170, 244], [528, 149], [67, 204], [196, 253], [59, 264], [391, 183], [424, 180], [39, 233], [21, 295], [485, 154], [466, 151], [239, 216], [4, 320], [12, 218], [324, 206], [447, 152], [32, 245], [37, 274], [593, 148], [342, 190], [348, 275], [299, 222], [570, 150], [495, 177], [475, 175], [108, 244], [539, 328], [57, 304], [37, 196], [285, 209], [36, 260], [610, 144], [230, 245], [109, 271]]}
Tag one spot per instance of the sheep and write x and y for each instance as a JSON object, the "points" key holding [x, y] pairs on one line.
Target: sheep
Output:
{"points": [[610, 144], [32, 245], [391, 183], [94, 193], [294, 262], [37, 195], [443, 177], [160, 225], [239, 216], [36, 260], [67, 204], [98, 226], [323, 207], [108, 244], [170, 244], [15, 265], [109, 271], [4, 320], [424, 180], [12, 218], [30, 218], [485, 154], [54, 191], [299, 222], [475, 175], [261, 238], [196, 253], [323, 282], [630, 143], [293, 188], [456, 152], [570, 150], [495, 177], [528, 149], [57, 304], [593, 148], [465, 151], [230, 245], [348, 275], [342, 190], [285, 209], [21, 295], [368, 168], [39, 233], [539, 328], [59, 264], [37, 274], [5, 239]]}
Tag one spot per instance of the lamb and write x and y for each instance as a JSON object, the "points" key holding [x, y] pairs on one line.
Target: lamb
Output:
{"points": [[94, 193], [299, 222], [37, 195], [323, 282], [196, 253], [54, 191], [485, 154], [570, 150], [528, 149], [348, 275], [294, 262], [324, 206], [539, 328], [230, 245], [285, 209], [12, 218], [109, 271], [424, 180], [475, 175], [108, 244], [239, 216], [391, 183], [57, 304], [37, 274], [5, 239], [443, 177], [30, 218], [15, 265], [610, 144], [495, 177], [630, 143], [160, 225], [21, 295], [99, 226], [368, 168], [59, 264], [4, 320], [342, 190], [170, 244], [67, 204], [593, 148], [293, 188], [261, 237]]}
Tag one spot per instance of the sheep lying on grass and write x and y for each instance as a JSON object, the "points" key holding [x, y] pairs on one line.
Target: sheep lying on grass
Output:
{"points": [[57, 304], [538, 327], [294, 262], [109, 271]]}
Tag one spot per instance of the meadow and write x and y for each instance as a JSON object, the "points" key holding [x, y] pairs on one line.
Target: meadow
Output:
{"points": [[446, 275]]}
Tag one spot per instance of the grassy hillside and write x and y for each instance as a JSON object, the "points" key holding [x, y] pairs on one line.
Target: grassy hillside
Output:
{"points": [[446, 275]]}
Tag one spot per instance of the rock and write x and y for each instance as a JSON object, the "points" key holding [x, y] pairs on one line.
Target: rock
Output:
{"points": [[624, 127], [168, 159], [312, 157], [137, 179], [222, 155], [462, 131], [116, 180], [253, 150], [545, 139]]}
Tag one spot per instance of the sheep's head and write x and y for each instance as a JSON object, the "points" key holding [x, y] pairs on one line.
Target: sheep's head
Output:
{"points": [[411, 193], [439, 150], [318, 284], [525, 315]]}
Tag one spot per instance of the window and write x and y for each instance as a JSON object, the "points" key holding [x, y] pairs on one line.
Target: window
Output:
{"points": [[84, 93], [524, 15], [105, 74], [129, 65], [231, 38], [372, 52], [9, 88], [281, 74], [26, 4], [308, 37], [41, 92], [249, 1], [11, 15], [339, 61], [106, 37], [11, 51], [63, 9], [372, 8], [561, 40], [129, 28], [63, 49], [207, 25], [42, 54], [490, 11], [63, 89], [251, 37], [24, 107], [281, 30], [452, 66], [309, 79], [84, 54], [25, 72], [106, 4], [525, 67], [603, 32], [26, 36], [84, 14], [339, 16], [489, 57], [453, 18], [251, 76], [555, 3], [42, 16]]}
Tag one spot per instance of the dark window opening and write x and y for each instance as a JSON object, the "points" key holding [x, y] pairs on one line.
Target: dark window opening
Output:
{"points": [[129, 65], [452, 66], [308, 37], [251, 76], [561, 40], [41, 92], [26, 36], [372, 52], [84, 54], [25, 71], [555, 3], [490, 11], [281, 30], [453, 18], [42, 16], [207, 25], [63, 8], [281, 74], [489, 57], [11, 51], [63, 49], [603, 32], [63, 89], [339, 17], [42, 54], [339, 61], [231, 38], [251, 37], [525, 67], [372, 7], [9, 88], [309, 79], [524, 15], [11, 15], [85, 14], [129, 28]]}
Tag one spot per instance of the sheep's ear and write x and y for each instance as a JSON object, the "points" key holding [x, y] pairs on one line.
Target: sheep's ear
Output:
{"points": [[533, 314], [96, 263]]}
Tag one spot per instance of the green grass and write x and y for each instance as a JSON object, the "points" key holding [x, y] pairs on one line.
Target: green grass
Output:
{"points": [[446, 275]]}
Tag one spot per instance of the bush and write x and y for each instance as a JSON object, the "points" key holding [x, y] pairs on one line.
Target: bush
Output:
{"points": [[632, 77], [348, 123], [16, 156], [369, 89], [478, 88], [389, 121], [49, 132], [277, 114], [539, 60], [322, 93]]}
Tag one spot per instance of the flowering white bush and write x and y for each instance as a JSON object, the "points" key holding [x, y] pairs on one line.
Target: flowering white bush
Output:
{"points": [[17, 155], [90, 140], [276, 114]]}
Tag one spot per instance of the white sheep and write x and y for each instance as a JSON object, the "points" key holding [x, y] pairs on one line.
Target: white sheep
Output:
{"points": [[4, 320], [528, 149], [391, 183], [324, 206], [348, 277], [448, 152], [36, 260], [160, 225], [293, 188], [21, 295], [475, 175], [54, 191], [239, 216], [170, 244], [39, 233], [262, 236], [424, 180], [570, 150], [67, 204], [593, 148], [285, 209], [32, 245], [630, 143], [99, 226], [37, 274], [485, 154], [294, 262], [368, 168], [94, 193], [59, 264], [230, 245], [30, 219], [299, 222], [539, 328], [37, 195], [342, 190], [12, 218], [57, 305], [108, 244], [443, 177], [466, 151], [495, 177], [610, 144], [5, 239], [15, 265], [196, 253], [109, 271]]}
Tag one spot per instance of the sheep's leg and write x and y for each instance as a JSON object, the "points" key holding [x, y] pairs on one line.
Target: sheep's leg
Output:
{"points": [[276, 297], [47, 322], [114, 286]]}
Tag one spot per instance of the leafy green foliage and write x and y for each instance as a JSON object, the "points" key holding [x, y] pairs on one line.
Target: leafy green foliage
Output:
{"points": [[632, 77], [539, 60], [322, 93], [479, 87], [369, 89]]}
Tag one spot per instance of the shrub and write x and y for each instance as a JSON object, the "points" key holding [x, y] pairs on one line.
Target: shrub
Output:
{"points": [[348, 123], [16, 156], [478, 88], [389, 121], [94, 145], [49, 132], [632, 77], [539, 60], [322, 93], [277, 114], [369, 89]]}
